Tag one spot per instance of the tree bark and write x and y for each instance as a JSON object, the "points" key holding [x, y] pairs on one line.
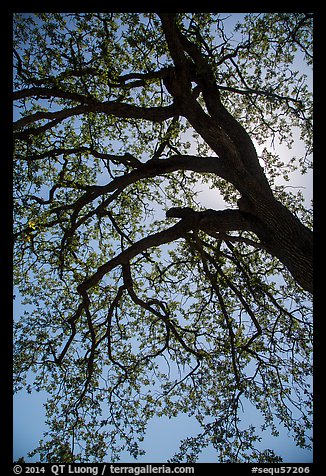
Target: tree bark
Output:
{"points": [[285, 237], [281, 233], [236, 160]]}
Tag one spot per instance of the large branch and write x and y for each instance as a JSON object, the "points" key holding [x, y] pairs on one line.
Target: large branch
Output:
{"points": [[126, 159], [122, 110], [212, 222], [178, 84], [172, 38], [208, 220], [222, 132], [52, 92], [153, 168], [157, 239]]}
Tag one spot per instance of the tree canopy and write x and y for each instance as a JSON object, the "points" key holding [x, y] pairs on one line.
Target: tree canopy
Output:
{"points": [[140, 301]]}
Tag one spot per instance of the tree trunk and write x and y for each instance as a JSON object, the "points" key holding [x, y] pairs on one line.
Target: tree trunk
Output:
{"points": [[284, 236]]}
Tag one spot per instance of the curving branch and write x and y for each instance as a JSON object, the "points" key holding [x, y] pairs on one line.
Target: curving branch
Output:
{"points": [[52, 92], [223, 220], [164, 316], [166, 236], [154, 114], [149, 169]]}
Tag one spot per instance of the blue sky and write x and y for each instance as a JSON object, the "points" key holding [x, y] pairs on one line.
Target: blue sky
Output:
{"points": [[162, 440], [163, 435]]}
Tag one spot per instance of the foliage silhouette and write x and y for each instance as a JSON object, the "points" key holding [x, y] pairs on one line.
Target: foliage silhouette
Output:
{"points": [[143, 302]]}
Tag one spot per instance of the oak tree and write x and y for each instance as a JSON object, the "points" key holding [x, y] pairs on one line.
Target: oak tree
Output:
{"points": [[139, 300]]}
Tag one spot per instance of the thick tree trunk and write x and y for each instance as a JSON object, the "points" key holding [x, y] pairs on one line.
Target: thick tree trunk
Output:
{"points": [[281, 233], [284, 236]]}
